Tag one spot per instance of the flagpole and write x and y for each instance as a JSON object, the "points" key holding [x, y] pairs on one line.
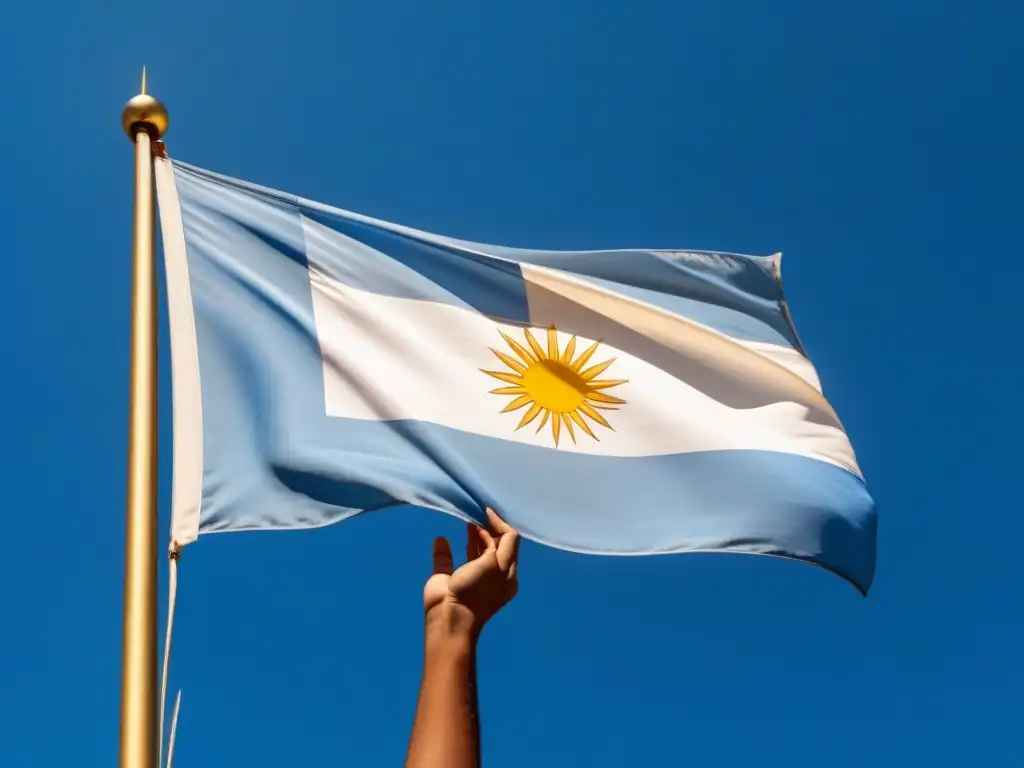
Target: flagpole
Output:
{"points": [[144, 120]]}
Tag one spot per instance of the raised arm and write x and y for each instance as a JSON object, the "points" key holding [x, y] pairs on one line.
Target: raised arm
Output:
{"points": [[457, 604]]}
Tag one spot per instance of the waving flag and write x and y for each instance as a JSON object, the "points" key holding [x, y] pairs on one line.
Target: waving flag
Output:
{"points": [[616, 402]]}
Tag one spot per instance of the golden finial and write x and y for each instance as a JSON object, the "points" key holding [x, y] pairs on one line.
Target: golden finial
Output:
{"points": [[145, 113]]}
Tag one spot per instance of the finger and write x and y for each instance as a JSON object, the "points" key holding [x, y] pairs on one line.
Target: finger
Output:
{"points": [[474, 545], [486, 539], [508, 550], [442, 556], [497, 525], [508, 542]]}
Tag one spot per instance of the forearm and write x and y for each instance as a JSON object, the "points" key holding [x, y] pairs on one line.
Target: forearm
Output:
{"points": [[446, 731]]}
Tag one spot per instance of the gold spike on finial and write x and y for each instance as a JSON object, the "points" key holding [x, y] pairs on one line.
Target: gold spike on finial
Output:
{"points": [[143, 91]]}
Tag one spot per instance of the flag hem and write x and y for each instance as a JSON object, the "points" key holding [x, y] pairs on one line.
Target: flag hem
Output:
{"points": [[776, 262], [186, 394]]}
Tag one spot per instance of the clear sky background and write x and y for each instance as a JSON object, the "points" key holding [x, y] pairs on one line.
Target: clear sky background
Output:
{"points": [[878, 144]]}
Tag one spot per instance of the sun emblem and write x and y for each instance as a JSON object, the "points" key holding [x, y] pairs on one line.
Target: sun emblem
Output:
{"points": [[556, 386]]}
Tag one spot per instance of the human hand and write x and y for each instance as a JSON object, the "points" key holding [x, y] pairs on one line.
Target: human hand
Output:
{"points": [[462, 601]]}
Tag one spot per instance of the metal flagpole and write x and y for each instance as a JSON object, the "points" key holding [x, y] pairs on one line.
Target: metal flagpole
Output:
{"points": [[144, 119]]}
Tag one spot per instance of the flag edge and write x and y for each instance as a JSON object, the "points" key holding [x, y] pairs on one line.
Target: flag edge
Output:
{"points": [[186, 392]]}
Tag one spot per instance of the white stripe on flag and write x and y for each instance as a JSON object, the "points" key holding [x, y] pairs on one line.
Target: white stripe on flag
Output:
{"points": [[388, 358]]}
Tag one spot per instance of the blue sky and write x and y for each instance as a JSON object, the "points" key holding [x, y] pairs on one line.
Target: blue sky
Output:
{"points": [[878, 144]]}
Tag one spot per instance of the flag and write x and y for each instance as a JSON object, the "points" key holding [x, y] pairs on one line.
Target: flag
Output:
{"points": [[629, 402]]}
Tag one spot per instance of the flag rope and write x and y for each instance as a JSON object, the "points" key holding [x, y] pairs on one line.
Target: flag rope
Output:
{"points": [[172, 599], [174, 731]]}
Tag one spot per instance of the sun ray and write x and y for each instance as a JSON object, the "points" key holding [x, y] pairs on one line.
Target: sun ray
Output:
{"points": [[518, 403], [568, 426], [512, 363], [585, 355], [604, 384], [588, 411], [595, 370], [582, 424], [543, 419], [519, 349], [534, 344], [508, 391], [552, 343], [530, 415], [601, 397], [570, 350], [511, 378], [556, 428]]}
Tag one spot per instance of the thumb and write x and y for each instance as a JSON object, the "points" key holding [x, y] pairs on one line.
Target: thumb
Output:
{"points": [[442, 556]]}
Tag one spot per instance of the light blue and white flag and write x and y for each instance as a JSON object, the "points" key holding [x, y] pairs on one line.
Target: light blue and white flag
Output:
{"points": [[615, 402]]}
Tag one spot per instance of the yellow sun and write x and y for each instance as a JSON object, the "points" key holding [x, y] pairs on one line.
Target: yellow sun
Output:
{"points": [[555, 386]]}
